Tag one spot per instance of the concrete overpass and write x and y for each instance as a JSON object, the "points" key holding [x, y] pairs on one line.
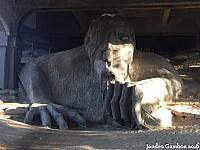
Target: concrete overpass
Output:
{"points": [[148, 18]]}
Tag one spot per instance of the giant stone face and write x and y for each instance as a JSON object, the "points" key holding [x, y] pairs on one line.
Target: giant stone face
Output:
{"points": [[111, 47]]}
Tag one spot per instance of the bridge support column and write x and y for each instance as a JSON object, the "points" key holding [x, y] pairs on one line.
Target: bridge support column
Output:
{"points": [[8, 62]]}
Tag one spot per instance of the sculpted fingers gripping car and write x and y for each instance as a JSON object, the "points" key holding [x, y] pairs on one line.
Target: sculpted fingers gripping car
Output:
{"points": [[153, 79]]}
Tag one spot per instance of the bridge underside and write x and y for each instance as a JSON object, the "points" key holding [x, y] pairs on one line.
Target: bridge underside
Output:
{"points": [[162, 27]]}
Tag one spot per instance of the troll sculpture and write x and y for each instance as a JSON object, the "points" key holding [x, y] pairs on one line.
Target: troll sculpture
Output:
{"points": [[104, 80]]}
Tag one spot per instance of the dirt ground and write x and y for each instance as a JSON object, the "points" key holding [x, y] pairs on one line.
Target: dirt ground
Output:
{"points": [[15, 135]]}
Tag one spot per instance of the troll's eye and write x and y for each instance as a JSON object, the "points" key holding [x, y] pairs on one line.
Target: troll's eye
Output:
{"points": [[123, 38]]}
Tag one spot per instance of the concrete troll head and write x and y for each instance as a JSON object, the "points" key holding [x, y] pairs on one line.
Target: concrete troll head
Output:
{"points": [[110, 43]]}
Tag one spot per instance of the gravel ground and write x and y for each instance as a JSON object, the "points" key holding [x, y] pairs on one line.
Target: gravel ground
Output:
{"points": [[15, 135]]}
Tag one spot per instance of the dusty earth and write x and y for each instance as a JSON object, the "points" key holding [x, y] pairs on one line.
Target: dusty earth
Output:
{"points": [[15, 135]]}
